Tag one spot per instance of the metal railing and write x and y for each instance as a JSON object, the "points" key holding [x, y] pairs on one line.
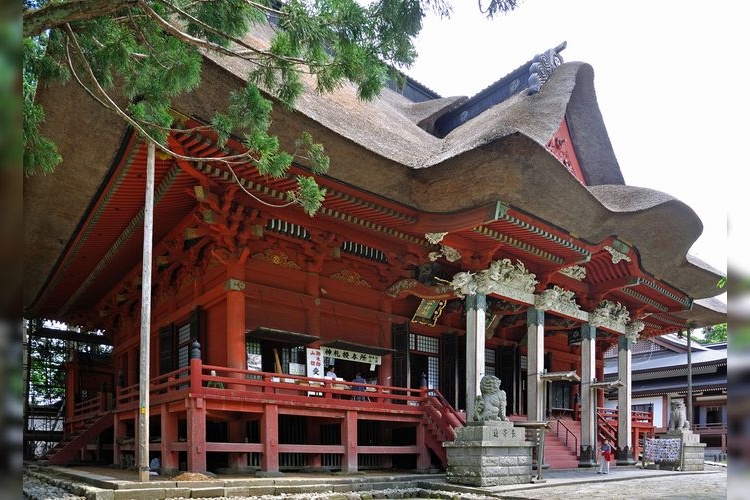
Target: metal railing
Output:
{"points": [[568, 434]]}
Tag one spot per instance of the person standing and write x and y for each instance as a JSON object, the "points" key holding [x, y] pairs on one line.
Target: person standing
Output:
{"points": [[359, 379], [606, 456]]}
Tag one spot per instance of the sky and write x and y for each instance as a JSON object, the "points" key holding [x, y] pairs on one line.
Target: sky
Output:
{"points": [[667, 75]]}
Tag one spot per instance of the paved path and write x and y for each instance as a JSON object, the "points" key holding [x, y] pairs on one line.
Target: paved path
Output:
{"points": [[631, 484]]}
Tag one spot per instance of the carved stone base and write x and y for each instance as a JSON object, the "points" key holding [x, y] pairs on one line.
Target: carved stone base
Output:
{"points": [[692, 449], [693, 456], [687, 436], [625, 456], [489, 453], [588, 457]]}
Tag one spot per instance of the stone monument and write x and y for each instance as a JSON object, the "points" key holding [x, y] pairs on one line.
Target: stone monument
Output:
{"points": [[692, 450], [490, 450]]}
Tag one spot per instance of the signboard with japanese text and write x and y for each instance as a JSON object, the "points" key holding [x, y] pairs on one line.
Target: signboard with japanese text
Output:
{"points": [[315, 366], [349, 355]]}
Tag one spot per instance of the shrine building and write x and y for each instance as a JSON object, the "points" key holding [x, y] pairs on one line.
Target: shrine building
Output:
{"points": [[459, 237]]}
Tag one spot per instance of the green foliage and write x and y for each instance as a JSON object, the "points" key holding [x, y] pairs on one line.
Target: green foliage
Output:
{"points": [[315, 153], [308, 194], [47, 373], [497, 7], [151, 52], [40, 155], [715, 334]]}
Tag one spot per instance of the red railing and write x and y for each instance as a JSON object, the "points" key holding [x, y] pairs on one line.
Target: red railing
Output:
{"points": [[85, 410], [223, 389], [642, 425], [224, 382]]}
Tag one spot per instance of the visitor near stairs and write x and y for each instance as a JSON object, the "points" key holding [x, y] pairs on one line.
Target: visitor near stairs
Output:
{"points": [[606, 456]]}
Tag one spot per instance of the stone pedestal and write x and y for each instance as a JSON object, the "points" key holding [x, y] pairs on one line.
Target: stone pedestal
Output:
{"points": [[489, 453], [692, 449]]}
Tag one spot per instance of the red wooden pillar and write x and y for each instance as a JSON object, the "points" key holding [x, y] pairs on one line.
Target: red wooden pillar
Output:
{"points": [[118, 430], [133, 368], [270, 439], [236, 324], [235, 286], [313, 433], [385, 373], [196, 431], [600, 394], [169, 458], [423, 458], [237, 433], [349, 438]]}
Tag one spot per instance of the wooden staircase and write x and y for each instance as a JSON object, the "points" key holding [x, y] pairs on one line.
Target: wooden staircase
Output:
{"points": [[66, 449], [440, 421]]}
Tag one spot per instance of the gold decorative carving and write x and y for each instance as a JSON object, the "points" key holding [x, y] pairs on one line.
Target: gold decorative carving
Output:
{"points": [[404, 284], [351, 277], [277, 258]]}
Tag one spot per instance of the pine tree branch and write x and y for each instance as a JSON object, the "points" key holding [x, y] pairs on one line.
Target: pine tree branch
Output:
{"points": [[249, 49], [57, 14], [109, 103]]}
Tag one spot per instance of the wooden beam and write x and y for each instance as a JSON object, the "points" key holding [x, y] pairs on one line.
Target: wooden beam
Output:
{"points": [[71, 335]]}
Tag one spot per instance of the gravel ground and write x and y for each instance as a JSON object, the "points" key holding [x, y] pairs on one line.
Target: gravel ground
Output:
{"points": [[39, 487], [688, 487], [36, 489]]}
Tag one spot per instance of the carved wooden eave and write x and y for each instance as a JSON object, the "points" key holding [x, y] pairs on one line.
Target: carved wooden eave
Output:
{"points": [[561, 302], [607, 384], [571, 376], [410, 286]]}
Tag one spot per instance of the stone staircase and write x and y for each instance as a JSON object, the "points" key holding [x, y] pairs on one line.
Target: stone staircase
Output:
{"points": [[562, 443], [558, 454]]}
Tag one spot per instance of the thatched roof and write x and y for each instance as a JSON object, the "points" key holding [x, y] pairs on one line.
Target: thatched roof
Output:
{"points": [[382, 146]]}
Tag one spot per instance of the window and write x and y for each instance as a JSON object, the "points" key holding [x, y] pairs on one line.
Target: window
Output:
{"points": [[489, 362], [183, 345], [423, 343], [433, 372], [175, 343], [254, 359]]}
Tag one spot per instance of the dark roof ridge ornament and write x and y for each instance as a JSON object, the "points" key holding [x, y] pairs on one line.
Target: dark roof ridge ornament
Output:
{"points": [[543, 65], [515, 82]]}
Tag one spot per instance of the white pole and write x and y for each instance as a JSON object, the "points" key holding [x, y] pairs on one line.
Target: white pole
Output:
{"points": [[143, 387]]}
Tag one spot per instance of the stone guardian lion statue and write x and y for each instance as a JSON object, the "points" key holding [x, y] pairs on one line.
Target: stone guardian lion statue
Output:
{"points": [[678, 416], [492, 402]]}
